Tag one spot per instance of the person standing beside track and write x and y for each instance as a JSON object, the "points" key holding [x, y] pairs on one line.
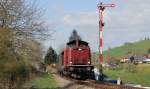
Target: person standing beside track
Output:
{"points": [[96, 73]]}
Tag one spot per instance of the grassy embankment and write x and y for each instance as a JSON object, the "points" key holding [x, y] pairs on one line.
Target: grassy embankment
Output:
{"points": [[45, 82]]}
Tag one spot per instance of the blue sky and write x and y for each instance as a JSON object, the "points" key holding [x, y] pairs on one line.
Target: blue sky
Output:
{"points": [[127, 22]]}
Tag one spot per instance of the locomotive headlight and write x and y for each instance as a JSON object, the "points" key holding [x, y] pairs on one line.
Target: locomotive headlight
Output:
{"points": [[89, 62], [79, 49], [70, 62]]}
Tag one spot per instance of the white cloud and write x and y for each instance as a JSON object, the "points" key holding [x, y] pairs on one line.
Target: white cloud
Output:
{"points": [[80, 19]]}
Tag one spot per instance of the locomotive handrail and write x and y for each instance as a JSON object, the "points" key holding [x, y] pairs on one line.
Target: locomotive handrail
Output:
{"points": [[79, 65]]}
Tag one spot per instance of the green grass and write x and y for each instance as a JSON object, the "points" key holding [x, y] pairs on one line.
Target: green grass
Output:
{"points": [[117, 53], [137, 47], [45, 82], [141, 76]]}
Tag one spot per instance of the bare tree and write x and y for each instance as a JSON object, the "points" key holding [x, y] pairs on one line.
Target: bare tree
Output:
{"points": [[23, 16]]}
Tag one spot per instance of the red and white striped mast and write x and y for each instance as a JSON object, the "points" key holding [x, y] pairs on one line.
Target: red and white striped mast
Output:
{"points": [[101, 8]]}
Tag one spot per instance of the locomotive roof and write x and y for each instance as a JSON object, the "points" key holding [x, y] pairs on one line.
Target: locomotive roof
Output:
{"points": [[80, 41]]}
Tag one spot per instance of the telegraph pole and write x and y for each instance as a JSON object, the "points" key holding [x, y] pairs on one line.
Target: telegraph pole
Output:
{"points": [[101, 8]]}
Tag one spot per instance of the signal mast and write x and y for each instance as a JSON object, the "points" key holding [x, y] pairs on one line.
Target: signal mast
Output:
{"points": [[101, 8]]}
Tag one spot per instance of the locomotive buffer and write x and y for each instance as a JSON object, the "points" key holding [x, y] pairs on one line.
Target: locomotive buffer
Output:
{"points": [[101, 8]]}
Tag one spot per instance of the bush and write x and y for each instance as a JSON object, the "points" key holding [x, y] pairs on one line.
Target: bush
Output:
{"points": [[17, 57], [13, 74], [22, 70]]}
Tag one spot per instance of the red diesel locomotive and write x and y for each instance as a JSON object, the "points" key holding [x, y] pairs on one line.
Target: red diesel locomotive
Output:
{"points": [[75, 60]]}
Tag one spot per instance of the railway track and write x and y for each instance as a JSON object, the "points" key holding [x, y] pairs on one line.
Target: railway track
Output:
{"points": [[93, 84], [102, 85]]}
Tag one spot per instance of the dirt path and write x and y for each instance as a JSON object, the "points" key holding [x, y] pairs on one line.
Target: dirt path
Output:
{"points": [[61, 81], [68, 84]]}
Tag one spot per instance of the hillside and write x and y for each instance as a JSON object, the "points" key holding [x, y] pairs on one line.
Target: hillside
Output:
{"points": [[140, 47], [140, 76]]}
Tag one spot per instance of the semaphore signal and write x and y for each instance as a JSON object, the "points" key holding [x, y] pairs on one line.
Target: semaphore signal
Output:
{"points": [[101, 8]]}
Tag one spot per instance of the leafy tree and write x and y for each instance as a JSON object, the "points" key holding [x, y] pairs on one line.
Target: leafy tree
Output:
{"points": [[51, 56], [74, 36]]}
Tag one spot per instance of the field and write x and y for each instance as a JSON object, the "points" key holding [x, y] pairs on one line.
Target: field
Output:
{"points": [[140, 76]]}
